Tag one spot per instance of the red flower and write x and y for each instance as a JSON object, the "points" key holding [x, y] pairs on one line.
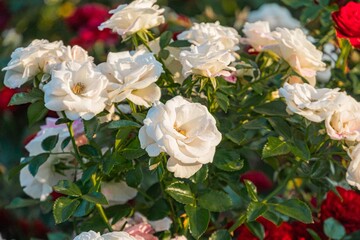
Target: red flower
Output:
{"points": [[347, 21], [85, 20], [5, 97], [347, 212], [259, 179]]}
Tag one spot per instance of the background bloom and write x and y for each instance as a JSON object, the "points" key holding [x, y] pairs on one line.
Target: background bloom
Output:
{"points": [[130, 18], [117, 192], [186, 131], [258, 35], [347, 22]]}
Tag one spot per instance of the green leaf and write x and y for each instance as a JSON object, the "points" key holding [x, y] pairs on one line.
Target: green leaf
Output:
{"points": [[198, 220], [90, 127], [181, 192], [84, 209], [21, 202], [134, 177], [180, 43], [251, 189], [272, 217], [132, 154], [36, 162], [223, 101], [295, 3], [123, 124], [257, 229], [334, 229], [159, 210], [228, 160], [26, 97], [14, 172], [201, 175], [255, 210], [64, 208], [165, 39], [220, 235], [210, 201], [296, 209], [88, 151], [237, 136], [36, 111], [300, 150], [164, 54], [275, 147], [313, 234], [275, 108], [65, 143], [68, 188], [280, 126], [58, 236], [50, 142], [95, 197]]}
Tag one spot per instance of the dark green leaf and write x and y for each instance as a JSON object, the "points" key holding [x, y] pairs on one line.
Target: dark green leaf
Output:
{"points": [[36, 162], [84, 209], [16, 170], [272, 217], [198, 220], [50, 142], [180, 43], [201, 175], [165, 39], [275, 108], [237, 136], [313, 234], [164, 54], [181, 192], [91, 127], [223, 101], [296, 209], [333, 229], [275, 147], [20, 203], [255, 210], [159, 210], [134, 177], [228, 160], [68, 188], [26, 97], [36, 111], [257, 229], [280, 126], [123, 124], [300, 150], [132, 154], [88, 151], [64, 208], [65, 143], [58, 236], [95, 197], [210, 201], [220, 235]]}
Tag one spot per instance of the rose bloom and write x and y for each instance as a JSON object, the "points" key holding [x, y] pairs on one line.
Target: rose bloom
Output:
{"points": [[201, 33], [345, 210], [298, 52], [40, 56], [128, 19], [132, 76], [347, 22], [91, 235], [40, 185], [186, 131], [275, 15], [258, 35], [313, 104], [117, 192], [208, 60], [5, 97], [344, 122], [75, 54], [353, 171], [77, 89]]}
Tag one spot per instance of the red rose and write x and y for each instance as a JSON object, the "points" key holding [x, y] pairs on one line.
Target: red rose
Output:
{"points": [[259, 179], [347, 21], [347, 212], [5, 97]]}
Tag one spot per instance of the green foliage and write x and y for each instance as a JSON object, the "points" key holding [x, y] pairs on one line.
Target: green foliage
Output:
{"points": [[210, 201], [50, 142], [68, 188], [296, 209], [181, 192], [198, 220], [64, 208], [333, 229]]}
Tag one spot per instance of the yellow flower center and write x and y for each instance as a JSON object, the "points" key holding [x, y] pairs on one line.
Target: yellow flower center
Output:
{"points": [[78, 88]]}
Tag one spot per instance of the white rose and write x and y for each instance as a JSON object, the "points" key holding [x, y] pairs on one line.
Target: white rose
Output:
{"points": [[78, 89], [76, 54], [132, 76], [353, 171], [26, 63], [139, 15], [258, 35], [305, 100], [298, 52], [117, 236], [344, 122], [276, 15], [208, 60], [186, 131], [91, 235], [117, 192], [201, 33], [40, 185]]}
